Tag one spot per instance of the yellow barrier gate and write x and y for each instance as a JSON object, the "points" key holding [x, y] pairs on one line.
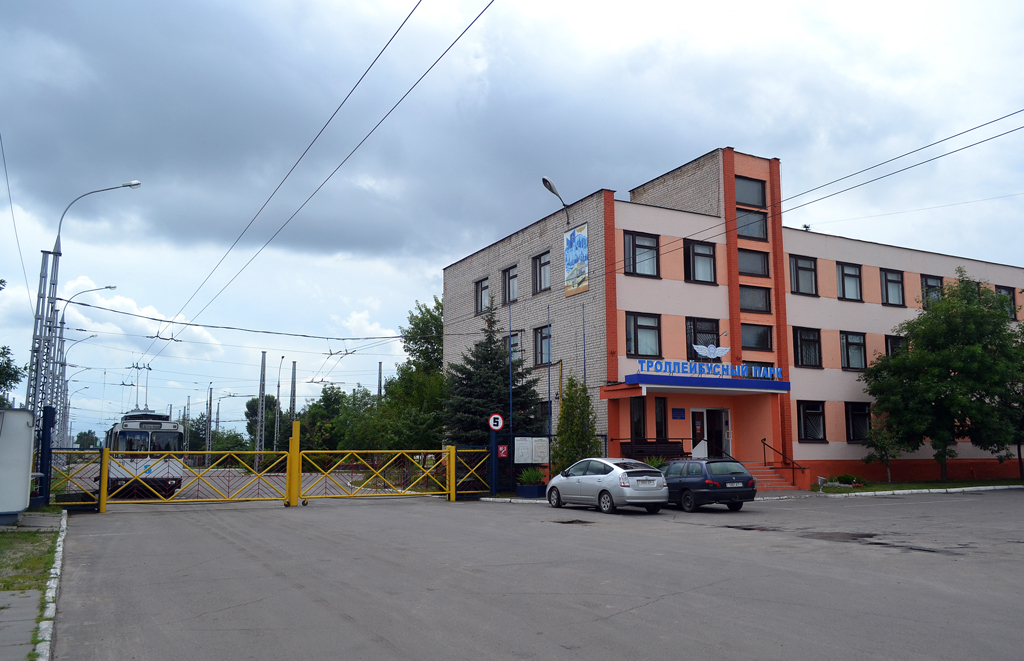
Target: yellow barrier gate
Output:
{"points": [[100, 477], [372, 473], [194, 477], [74, 475]]}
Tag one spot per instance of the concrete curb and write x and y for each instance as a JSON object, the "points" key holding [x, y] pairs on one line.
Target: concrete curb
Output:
{"points": [[901, 492], [45, 630], [805, 494], [520, 501]]}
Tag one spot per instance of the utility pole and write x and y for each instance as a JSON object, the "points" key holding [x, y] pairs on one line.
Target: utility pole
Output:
{"points": [[291, 410], [218, 416], [277, 405], [209, 415], [187, 412], [261, 407], [380, 381]]}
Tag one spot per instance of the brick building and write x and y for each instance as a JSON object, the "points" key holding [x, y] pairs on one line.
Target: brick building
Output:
{"points": [[709, 327]]}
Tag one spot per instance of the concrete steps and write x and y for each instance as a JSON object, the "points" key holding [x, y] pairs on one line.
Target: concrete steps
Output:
{"points": [[770, 479]]}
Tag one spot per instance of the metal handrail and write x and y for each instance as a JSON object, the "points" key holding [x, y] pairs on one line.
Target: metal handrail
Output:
{"points": [[793, 465]]}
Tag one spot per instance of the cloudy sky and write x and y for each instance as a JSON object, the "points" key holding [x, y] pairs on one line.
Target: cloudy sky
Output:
{"points": [[210, 103]]}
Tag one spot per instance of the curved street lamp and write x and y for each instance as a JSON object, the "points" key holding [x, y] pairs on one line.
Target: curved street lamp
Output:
{"points": [[42, 366], [60, 389], [66, 437]]}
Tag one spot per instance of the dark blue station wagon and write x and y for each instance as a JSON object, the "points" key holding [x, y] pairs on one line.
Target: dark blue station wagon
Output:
{"points": [[696, 482]]}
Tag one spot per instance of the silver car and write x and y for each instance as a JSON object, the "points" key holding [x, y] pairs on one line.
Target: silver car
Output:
{"points": [[609, 483]]}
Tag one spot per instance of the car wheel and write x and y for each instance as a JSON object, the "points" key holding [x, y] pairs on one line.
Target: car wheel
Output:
{"points": [[605, 503], [687, 502], [734, 507], [554, 498], [653, 509]]}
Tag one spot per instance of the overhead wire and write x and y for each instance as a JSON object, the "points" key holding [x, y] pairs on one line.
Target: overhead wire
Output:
{"points": [[17, 240], [296, 164], [345, 160], [700, 233]]}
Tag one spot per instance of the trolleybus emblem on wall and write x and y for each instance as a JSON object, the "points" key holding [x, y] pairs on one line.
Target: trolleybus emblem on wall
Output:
{"points": [[711, 351]]}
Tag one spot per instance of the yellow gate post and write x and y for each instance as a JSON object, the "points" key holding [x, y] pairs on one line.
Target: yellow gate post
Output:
{"points": [[104, 477], [294, 479], [451, 474]]}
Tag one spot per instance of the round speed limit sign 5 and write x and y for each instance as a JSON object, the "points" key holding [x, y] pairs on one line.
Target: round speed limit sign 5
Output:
{"points": [[495, 421]]}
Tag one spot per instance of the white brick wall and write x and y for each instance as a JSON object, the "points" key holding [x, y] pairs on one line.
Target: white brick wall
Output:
{"points": [[462, 326], [696, 187]]}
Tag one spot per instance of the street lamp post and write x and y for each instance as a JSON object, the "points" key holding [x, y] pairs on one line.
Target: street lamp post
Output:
{"points": [[59, 399], [69, 412], [42, 366]]}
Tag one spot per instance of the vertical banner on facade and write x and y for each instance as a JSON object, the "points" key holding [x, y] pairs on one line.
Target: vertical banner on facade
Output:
{"points": [[577, 262]]}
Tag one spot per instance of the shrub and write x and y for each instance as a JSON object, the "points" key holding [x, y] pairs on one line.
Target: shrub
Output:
{"points": [[655, 462], [531, 476]]}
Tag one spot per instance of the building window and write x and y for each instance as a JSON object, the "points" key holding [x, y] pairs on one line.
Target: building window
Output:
{"points": [[643, 335], [858, 421], [893, 343], [752, 373], [752, 224], [931, 289], [755, 337], [807, 347], [811, 416], [755, 299], [544, 415], [700, 262], [660, 419], [513, 346], [638, 418], [855, 355], [641, 254], [510, 285], [482, 296], [542, 272], [750, 192], [892, 287], [803, 275], [848, 280], [542, 345], [1011, 305], [752, 262], [701, 332]]}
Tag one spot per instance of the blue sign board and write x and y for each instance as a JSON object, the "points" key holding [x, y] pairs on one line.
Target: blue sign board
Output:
{"points": [[679, 414]]}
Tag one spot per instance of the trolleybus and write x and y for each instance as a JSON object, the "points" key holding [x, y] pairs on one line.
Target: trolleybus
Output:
{"points": [[145, 431]]}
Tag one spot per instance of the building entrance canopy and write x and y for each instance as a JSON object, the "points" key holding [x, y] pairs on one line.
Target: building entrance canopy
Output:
{"points": [[693, 385]]}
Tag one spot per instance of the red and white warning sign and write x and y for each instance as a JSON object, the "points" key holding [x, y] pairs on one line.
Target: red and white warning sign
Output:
{"points": [[496, 422]]}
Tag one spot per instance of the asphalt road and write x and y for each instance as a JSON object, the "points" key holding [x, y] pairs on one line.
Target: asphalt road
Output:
{"points": [[912, 577]]}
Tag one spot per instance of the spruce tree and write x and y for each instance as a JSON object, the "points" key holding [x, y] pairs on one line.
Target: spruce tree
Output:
{"points": [[577, 427], [479, 387]]}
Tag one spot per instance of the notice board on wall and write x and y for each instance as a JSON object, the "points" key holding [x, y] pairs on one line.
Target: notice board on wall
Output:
{"points": [[532, 450]]}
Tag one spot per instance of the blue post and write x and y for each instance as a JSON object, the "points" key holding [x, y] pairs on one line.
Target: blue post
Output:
{"points": [[46, 453], [494, 462]]}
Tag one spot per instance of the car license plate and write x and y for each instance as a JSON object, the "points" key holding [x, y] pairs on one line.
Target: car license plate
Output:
{"points": [[644, 482], [734, 484]]}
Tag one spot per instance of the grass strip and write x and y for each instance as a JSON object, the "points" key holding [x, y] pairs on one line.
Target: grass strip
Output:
{"points": [[906, 486]]}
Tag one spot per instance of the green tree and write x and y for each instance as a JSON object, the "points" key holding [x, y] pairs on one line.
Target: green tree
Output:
{"points": [[577, 426], [230, 440], [87, 439], [424, 337], [479, 386], [884, 446], [959, 376], [251, 415], [10, 374]]}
